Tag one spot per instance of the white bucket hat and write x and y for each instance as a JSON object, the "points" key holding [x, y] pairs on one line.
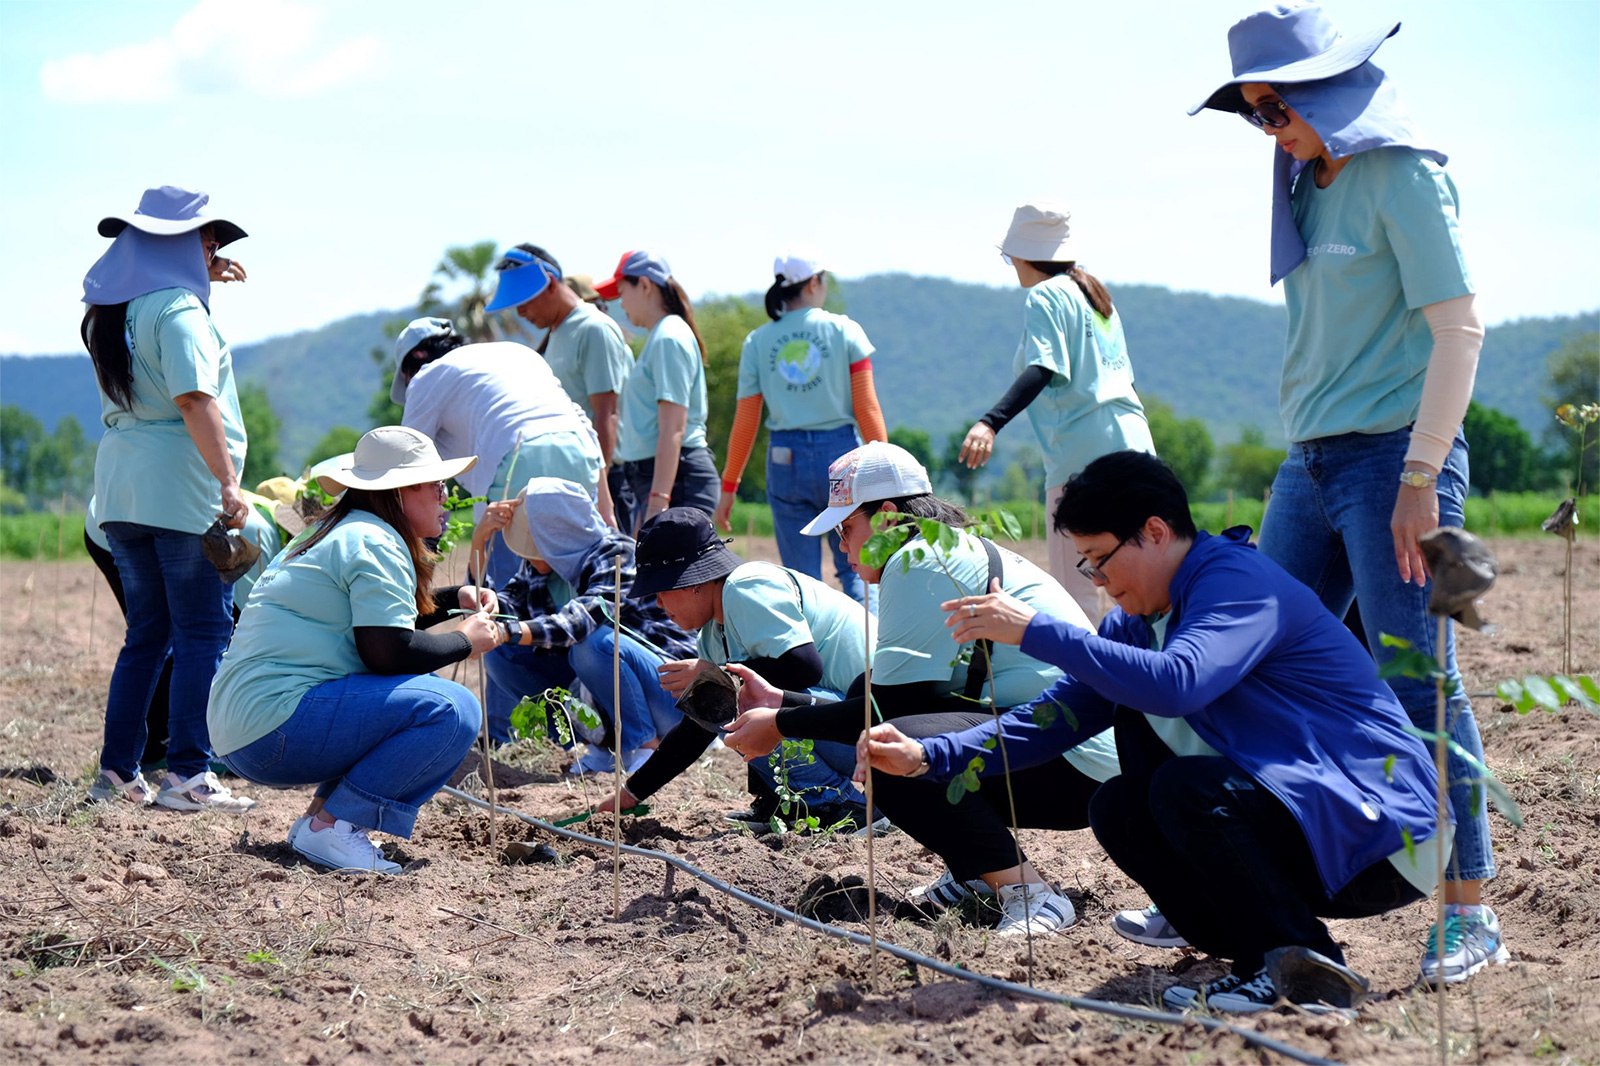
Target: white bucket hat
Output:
{"points": [[390, 457], [1041, 233], [877, 470]]}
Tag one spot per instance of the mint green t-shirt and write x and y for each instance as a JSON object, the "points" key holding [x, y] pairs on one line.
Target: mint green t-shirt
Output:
{"points": [[668, 369], [297, 630], [1382, 242], [588, 354], [1175, 733], [147, 468], [800, 366], [768, 609], [1089, 409]]}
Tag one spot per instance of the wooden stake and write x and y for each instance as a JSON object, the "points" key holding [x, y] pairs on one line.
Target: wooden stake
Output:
{"points": [[616, 725], [750, 527], [872, 879], [1442, 815], [483, 701], [27, 586], [61, 524], [1229, 523]]}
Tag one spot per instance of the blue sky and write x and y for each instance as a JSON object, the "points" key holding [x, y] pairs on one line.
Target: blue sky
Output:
{"points": [[355, 140]]}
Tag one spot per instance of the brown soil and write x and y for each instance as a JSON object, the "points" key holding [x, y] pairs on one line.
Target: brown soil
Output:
{"points": [[153, 936]]}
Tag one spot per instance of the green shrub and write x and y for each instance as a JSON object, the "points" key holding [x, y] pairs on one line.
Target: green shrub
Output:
{"points": [[23, 535]]}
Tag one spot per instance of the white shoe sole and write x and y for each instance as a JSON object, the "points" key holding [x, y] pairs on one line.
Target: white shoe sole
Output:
{"points": [[177, 801], [1151, 941], [1501, 956], [388, 868]]}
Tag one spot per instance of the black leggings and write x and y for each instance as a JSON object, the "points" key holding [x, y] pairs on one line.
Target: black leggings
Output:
{"points": [[1222, 857], [973, 835]]}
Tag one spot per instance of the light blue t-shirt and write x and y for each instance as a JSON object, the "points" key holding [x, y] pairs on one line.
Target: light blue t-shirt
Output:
{"points": [[1382, 242], [768, 609], [147, 468], [800, 366], [1089, 409], [668, 369], [1175, 733], [589, 355], [297, 629], [914, 644]]}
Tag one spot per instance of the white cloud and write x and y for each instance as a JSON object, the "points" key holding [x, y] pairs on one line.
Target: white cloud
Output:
{"points": [[263, 47]]}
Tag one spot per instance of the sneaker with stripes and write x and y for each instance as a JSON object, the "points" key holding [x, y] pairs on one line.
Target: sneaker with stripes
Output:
{"points": [[946, 892], [1148, 926], [1033, 908]]}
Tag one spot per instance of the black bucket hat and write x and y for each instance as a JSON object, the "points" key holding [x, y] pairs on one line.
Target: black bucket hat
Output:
{"points": [[678, 549]]}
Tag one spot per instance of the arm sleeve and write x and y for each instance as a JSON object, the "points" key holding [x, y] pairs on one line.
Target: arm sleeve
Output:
{"points": [[842, 720], [678, 750], [1447, 383], [746, 423], [798, 669], [392, 650], [864, 402], [445, 599], [1029, 384]]}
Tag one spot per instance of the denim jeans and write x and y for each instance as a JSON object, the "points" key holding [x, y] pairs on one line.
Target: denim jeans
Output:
{"points": [[797, 491], [826, 779], [1328, 525], [696, 485], [648, 710], [177, 605], [377, 745]]}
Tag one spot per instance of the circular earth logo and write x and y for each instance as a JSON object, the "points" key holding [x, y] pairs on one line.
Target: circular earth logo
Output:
{"points": [[798, 362]]}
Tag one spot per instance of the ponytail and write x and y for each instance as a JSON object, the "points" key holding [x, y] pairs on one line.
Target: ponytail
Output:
{"points": [[676, 302], [104, 333], [1088, 284], [780, 294]]}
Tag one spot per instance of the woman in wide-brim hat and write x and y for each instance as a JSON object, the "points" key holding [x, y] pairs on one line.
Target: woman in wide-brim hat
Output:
{"points": [[1381, 352], [329, 679], [167, 467], [1073, 375]]}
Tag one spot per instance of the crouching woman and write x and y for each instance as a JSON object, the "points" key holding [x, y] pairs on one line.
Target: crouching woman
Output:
{"points": [[329, 679]]}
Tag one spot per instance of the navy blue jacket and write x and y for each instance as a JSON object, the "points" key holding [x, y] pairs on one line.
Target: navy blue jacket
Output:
{"points": [[1264, 674]]}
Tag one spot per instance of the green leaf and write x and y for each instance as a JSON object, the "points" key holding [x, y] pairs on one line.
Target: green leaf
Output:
{"points": [[1009, 524], [882, 544], [1388, 769], [989, 745], [1045, 714], [1543, 693], [956, 789], [1590, 688], [1498, 794], [1510, 690], [1573, 691], [1406, 839], [1390, 641]]}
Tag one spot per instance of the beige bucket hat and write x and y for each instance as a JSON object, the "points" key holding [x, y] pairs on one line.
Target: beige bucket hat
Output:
{"points": [[390, 457], [1042, 233]]}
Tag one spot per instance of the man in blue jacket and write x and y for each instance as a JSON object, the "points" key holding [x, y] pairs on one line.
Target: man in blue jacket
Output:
{"points": [[1267, 777]]}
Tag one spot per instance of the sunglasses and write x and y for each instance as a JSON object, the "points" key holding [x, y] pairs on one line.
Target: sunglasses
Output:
{"points": [[1274, 114], [1095, 571]]}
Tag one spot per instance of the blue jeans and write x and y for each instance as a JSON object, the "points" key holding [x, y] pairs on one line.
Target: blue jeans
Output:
{"points": [[824, 780], [648, 710], [1328, 525], [378, 746], [177, 605], [797, 491]]}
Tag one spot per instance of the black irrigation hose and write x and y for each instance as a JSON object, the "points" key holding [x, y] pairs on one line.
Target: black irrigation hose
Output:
{"points": [[1099, 1006]]}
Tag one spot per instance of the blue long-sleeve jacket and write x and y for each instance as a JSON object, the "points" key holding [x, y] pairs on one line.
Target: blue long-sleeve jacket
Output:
{"points": [[1264, 674]]}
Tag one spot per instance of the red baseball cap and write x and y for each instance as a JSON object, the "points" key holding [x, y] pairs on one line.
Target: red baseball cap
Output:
{"points": [[635, 264]]}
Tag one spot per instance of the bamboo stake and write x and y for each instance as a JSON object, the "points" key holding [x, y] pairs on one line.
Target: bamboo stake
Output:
{"points": [[616, 724], [27, 586], [1229, 523], [1442, 814], [61, 523], [872, 879], [483, 702]]}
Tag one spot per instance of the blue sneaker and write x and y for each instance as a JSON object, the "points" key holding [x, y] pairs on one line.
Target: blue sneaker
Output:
{"points": [[1471, 942]]}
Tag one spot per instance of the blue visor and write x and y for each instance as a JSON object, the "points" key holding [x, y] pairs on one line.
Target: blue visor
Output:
{"points": [[518, 286]]}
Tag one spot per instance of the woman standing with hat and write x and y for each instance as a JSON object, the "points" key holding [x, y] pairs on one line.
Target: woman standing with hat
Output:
{"points": [[813, 369], [662, 442], [1073, 374], [1382, 349], [166, 468], [329, 679]]}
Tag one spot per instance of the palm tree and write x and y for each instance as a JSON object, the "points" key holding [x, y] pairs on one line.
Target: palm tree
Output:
{"points": [[474, 264]]}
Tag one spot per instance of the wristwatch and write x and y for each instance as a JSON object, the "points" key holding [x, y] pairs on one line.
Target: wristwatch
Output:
{"points": [[513, 630], [1418, 479], [924, 767]]}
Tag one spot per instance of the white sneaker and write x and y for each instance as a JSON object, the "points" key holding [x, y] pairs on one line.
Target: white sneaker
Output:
{"points": [[1148, 926], [946, 892], [108, 786], [341, 846], [1033, 908], [202, 792], [298, 827]]}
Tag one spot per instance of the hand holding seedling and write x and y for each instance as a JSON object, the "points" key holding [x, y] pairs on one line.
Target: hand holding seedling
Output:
{"points": [[496, 516], [754, 733], [1416, 511], [482, 631], [608, 804], [998, 616], [676, 675], [886, 749]]}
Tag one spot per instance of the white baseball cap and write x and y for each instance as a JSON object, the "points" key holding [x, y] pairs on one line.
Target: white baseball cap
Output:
{"points": [[1041, 232], [795, 267], [877, 470]]}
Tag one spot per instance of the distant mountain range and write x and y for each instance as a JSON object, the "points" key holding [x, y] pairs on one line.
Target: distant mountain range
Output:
{"points": [[944, 357]]}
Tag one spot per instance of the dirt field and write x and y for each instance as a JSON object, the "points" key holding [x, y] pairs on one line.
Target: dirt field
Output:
{"points": [[153, 936]]}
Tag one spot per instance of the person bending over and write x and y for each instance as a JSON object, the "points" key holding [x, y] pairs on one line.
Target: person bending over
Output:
{"points": [[1267, 776], [915, 683]]}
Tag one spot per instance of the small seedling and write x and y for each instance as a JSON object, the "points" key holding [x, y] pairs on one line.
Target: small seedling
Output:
{"points": [[263, 956]]}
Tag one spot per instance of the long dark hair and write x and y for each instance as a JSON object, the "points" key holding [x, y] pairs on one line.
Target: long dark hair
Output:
{"points": [[676, 302], [385, 505], [782, 292], [104, 332], [924, 505], [435, 347], [1093, 290]]}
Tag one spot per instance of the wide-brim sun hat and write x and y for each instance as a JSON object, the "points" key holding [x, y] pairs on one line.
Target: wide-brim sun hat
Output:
{"points": [[1041, 232], [520, 276], [678, 549], [875, 471], [390, 457], [417, 331], [582, 286], [1289, 43], [518, 535], [168, 211]]}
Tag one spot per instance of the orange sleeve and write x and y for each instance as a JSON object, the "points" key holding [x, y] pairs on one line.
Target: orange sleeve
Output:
{"points": [[864, 397], [746, 423]]}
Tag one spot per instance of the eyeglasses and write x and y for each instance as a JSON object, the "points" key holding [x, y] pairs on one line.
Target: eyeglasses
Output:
{"points": [[1096, 571], [839, 530], [1274, 114], [1006, 259], [210, 248], [439, 489]]}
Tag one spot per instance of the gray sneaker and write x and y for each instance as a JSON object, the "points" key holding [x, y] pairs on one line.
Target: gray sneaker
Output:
{"points": [[108, 786], [1471, 942], [1148, 926]]}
